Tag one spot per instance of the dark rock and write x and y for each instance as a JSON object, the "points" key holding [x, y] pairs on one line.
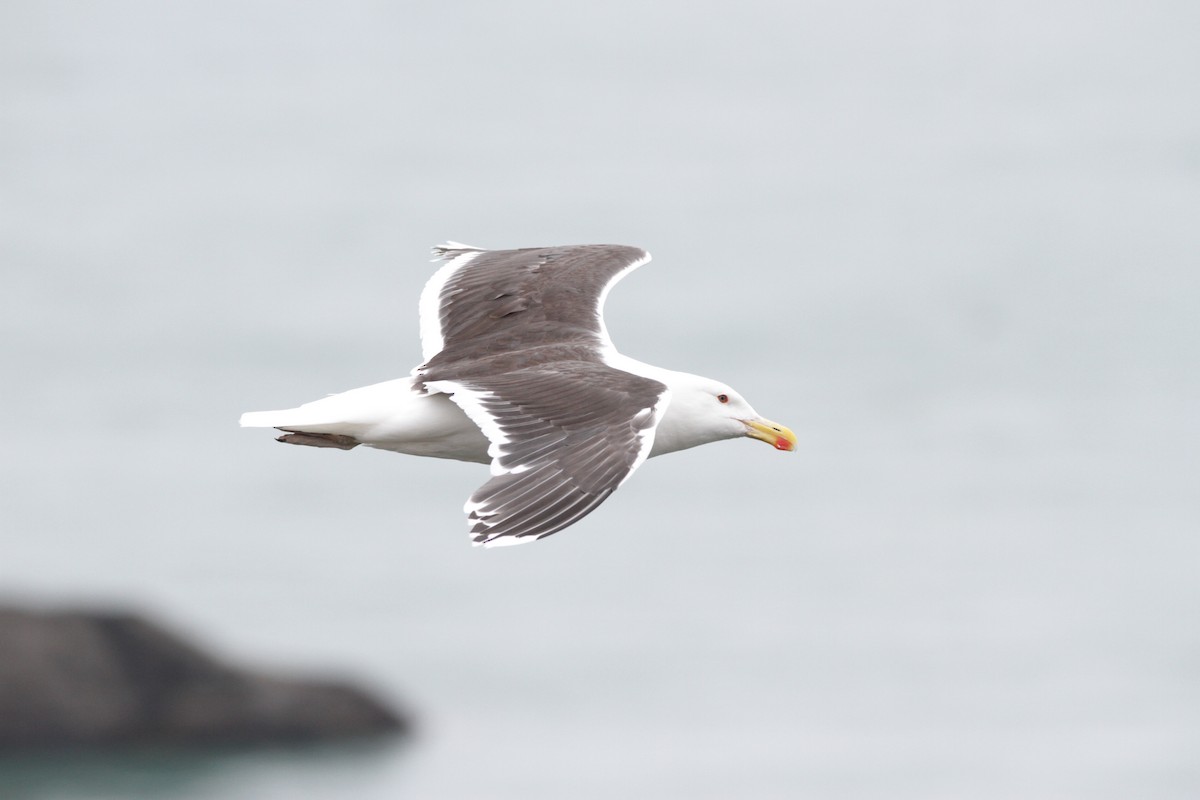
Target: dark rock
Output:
{"points": [[86, 678]]}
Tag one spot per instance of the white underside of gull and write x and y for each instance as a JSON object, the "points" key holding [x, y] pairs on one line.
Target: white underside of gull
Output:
{"points": [[388, 416]]}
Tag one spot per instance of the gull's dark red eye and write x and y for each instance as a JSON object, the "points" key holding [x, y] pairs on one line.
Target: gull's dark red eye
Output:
{"points": [[724, 398]]}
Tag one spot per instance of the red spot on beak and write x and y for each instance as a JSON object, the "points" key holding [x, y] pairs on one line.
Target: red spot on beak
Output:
{"points": [[782, 444]]}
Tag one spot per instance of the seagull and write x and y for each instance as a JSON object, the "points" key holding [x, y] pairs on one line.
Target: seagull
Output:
{"points": [[519, 372]]}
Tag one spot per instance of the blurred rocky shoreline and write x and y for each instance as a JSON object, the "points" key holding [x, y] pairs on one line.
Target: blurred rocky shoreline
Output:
{"points": [[73, 678]]}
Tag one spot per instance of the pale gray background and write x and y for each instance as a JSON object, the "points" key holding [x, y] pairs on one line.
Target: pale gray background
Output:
{"points": [[953, 245]]}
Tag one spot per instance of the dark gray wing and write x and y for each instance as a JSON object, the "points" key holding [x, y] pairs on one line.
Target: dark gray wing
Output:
{"points": [[483, 302], [564, 437]]}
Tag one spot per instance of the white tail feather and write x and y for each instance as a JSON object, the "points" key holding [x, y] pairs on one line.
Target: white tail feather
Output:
{"points": [[389, 415], [349, 413]]}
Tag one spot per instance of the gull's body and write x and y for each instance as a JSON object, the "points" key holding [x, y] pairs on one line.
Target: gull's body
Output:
{"points": [[520, 373], [392, 415]]}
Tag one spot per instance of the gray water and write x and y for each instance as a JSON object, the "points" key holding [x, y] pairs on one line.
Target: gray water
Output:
{"points": [[953, 246]]}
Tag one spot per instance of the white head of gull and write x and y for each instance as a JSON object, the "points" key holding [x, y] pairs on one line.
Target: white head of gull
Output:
{"points": [[520, 373]]}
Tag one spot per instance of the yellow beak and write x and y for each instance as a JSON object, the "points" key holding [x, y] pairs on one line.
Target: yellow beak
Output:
{"points": [[772, 433]]}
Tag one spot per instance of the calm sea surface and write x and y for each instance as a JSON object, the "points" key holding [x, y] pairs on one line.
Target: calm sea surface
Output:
{"points": [[955, 248]]}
